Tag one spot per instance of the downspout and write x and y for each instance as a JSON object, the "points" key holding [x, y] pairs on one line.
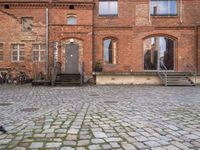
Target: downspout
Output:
{"points": [[197, 48], [93, 38], [47, 42]]}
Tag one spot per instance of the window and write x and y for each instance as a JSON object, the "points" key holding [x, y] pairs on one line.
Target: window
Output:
{"points": [[163, 7], [71, 20], [27, 24], [108, 7], [110, 46], [17, 52], [159, 53], [39, 52], [1, 52]]}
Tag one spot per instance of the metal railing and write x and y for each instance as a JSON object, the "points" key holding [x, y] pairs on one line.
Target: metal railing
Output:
{"points": [[191, 69], [81, 68], [56, 69], [162, 72]]}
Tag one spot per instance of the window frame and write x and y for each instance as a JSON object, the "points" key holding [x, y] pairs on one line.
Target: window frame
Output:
{"points": [[145, 47], [72, 16], [22, 20], [39, 50], [114, 51], [108, 14], [168, 14], [18, 50]]}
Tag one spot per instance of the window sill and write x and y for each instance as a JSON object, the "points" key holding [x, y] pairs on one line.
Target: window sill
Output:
{"points": [[110, 65], [164, 16], [17, 61], [108, 16]]}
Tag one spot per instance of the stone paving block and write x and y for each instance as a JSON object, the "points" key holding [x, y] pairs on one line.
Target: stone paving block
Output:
{"points": [[128, 146], [67, 148], [97, 141], [37, 145], [53, 145], [152, 143], [99, 135]]}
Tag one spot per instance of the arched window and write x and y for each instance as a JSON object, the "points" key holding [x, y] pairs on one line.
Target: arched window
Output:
{"points": [[110, 48], [71, 20], [158, 53]]}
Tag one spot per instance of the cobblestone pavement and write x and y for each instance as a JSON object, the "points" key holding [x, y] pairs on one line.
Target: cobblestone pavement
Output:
{"points": [[100, 117]]}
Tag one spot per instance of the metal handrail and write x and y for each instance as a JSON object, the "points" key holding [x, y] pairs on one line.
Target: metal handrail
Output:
{"points": [[190, 68], [82, 72], [163, 71]]}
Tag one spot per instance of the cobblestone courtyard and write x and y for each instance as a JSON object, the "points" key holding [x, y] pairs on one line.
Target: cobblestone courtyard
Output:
{"points": [[100, 117]]}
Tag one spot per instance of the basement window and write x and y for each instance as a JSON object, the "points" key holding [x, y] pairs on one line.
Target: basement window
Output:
{"points": [[27, 24]]}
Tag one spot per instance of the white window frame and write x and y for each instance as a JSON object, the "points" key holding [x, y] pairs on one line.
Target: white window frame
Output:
{"points": [[18, 53], [39, 50]]}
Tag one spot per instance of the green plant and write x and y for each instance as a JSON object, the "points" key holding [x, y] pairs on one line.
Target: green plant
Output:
{"points": [[98, 66]]}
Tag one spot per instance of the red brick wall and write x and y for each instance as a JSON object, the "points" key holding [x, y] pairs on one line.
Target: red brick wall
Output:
{"points": [[11, 32], [130, 28]]}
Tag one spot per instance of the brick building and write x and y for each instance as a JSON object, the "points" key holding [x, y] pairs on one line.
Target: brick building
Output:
{"points": [[133, 40]]}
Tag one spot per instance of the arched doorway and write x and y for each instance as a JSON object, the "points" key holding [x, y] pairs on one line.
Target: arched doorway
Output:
{"points": [[159, 52], [71, 55], [72, 58]]}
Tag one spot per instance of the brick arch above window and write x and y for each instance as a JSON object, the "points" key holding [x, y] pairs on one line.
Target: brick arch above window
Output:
{"points": [[161, 35]]}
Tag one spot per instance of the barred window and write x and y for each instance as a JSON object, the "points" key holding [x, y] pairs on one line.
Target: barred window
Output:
{"points": [[1, 51], [17, 52], [39, 52]]}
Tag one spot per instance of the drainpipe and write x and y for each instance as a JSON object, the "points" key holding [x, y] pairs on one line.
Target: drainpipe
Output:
{"points": [[47, 42], [197, 48]]}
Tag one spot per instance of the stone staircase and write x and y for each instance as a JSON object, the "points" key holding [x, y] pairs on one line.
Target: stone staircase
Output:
{"points": [[63, 79], [176, 79]]}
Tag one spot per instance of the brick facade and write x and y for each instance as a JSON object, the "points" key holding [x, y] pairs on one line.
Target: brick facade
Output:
{"points": [[130, 28]]}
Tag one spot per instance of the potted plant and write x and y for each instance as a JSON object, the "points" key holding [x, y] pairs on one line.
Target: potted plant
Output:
{"points": [[98, 66]]}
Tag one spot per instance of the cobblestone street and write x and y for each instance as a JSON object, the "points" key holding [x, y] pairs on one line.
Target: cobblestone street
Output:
{"points": [[100, 117]]}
